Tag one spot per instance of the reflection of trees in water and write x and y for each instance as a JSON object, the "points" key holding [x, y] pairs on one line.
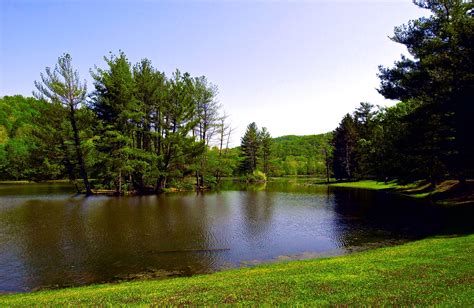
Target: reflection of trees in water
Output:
{"points": [[297, 187], [81, 241], [46, 235], [366, 217], [363, 217], [257, 209], [154, 232], [240, 186]]}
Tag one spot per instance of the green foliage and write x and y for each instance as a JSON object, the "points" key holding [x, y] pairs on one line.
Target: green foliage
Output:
{"points": [[148, 124], [299, 155], [427, 136], [21, 151], [138, 130], [344, 143], [250, 147], [255, 177], [437, 81], [221, 163], [63, 86]]}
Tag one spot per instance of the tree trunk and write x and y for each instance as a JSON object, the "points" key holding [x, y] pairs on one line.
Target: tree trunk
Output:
{"points": [[348, 166], [69, 166], [80, 159], [160, 184], [326, 158], [119, 188], [197, 180]]}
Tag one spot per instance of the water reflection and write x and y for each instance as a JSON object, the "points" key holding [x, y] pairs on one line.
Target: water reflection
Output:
{"points": [[48, 237]]}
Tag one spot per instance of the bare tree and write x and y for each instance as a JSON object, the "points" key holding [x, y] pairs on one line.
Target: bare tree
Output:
{"points": [[207, 108]]}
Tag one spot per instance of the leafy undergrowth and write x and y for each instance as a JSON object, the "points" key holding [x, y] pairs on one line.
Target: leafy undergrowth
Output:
{"points": [[436, 271]]}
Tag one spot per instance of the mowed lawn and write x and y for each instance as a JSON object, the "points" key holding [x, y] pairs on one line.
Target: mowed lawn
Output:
{"points": [[435, 271], [366, 184]]}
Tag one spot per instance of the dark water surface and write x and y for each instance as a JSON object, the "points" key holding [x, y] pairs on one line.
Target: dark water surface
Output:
{"points": [[51, 238]]}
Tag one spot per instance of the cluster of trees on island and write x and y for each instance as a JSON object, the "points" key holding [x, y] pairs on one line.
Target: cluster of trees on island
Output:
{"points": [[137, 130], [141, 130]]}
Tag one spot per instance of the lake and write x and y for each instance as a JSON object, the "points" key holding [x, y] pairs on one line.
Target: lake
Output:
{"points": [[51, 238]]}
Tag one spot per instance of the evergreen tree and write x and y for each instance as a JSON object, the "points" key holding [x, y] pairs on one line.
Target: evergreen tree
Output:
{"points": [[150, 91], [62, 85], [116, 107], [363, 119], [439, 82], [344, 142], [178, 147], [250, 146], [266, 148]]}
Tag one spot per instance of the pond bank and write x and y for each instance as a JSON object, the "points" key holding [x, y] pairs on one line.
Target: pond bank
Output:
{"points": [[435, 271], [448, 193]]}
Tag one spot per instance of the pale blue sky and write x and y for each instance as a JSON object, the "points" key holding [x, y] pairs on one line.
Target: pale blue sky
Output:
{"points": [[295, 67]]}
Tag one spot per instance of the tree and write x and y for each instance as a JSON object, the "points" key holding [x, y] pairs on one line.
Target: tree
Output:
{"points": [[266, 148], [177, 147], [344, 143], [62, 85], [150, 93], [115, 105], [438, 80], [224, 165], [363, 119], [250, 146], [208, 118]]}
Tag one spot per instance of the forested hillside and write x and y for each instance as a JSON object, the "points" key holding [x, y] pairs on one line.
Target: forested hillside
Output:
{"points": [[22, 155], [300, 155]]}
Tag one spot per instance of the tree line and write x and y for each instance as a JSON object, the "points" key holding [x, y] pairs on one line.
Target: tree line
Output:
{"points": [[428, 135], [137, 130], [141, 130]]}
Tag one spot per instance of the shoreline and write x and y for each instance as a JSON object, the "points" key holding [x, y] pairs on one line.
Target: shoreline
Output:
{"points": [[446, 193], [393, 275]]}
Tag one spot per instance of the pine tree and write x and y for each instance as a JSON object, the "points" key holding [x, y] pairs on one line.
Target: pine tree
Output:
{"points": [[62, 85], [250, 146], [344, 143], [265, 140], [438, 79], [116, 107]]}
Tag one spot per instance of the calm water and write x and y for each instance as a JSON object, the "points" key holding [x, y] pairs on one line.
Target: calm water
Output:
{"points": [[51, 238]]}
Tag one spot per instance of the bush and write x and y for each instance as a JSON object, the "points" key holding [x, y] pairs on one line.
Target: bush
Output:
{"points": [[256, 176]]}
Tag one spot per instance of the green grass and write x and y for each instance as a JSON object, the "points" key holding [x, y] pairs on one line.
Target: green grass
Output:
{"points": [[445, 193], [33, 182], [436, 271], [367, 184], [16, 182]]}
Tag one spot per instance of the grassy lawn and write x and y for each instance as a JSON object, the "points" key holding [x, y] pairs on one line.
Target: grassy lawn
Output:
{"points": [[367, 184], [446, 193], [437, 271]]}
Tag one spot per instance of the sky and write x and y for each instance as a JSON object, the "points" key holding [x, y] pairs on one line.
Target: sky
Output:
{"points": [[295, 67]]}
